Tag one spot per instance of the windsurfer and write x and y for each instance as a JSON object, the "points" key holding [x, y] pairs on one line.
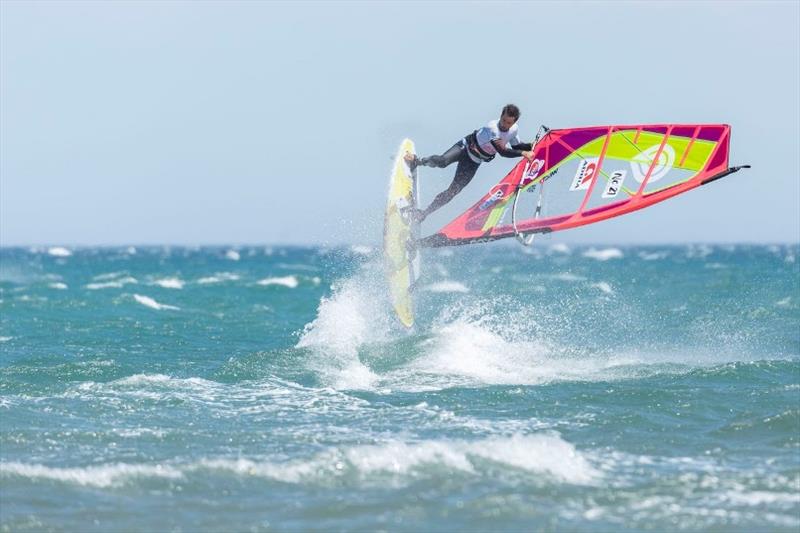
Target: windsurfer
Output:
{"points": [[497, 137]]}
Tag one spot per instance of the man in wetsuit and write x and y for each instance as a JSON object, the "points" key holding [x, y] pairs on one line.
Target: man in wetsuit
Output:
{"points": [[497, 137]]}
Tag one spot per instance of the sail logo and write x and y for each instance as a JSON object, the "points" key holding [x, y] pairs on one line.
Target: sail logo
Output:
{"points": [[584, 175], [491, 200], [614, 184], [531, 172], [641, 163]]}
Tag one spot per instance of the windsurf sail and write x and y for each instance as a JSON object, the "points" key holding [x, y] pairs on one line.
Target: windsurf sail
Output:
{"points": [[582, 176]]}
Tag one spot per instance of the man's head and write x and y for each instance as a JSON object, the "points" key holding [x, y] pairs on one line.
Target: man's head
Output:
{"points": [[508, 117]]}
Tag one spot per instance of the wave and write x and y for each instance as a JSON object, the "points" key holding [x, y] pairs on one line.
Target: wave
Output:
{"points": [[58, 251], [113, 284], [219, 277], [170, 283], [547, 456], [109, 275], [285, 281], [603, 255], [151, 303], [102, 476], [356, 314], [560, 248], [653, 256]]}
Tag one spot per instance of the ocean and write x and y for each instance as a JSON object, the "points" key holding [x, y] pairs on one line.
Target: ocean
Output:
{"points": [[260, 388]]}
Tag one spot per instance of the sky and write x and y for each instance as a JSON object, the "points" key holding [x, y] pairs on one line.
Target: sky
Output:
{"points": [[268, 122]]}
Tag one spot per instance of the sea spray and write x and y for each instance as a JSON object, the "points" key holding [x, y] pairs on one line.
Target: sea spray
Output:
{"points": [[356, 314]]}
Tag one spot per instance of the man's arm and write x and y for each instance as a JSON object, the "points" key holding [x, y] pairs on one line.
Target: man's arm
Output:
{"points": [[516, 150], [522, 146]]}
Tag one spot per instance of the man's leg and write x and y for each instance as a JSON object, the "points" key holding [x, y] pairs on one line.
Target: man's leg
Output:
{"points": [[465, 171], [441, 161]]}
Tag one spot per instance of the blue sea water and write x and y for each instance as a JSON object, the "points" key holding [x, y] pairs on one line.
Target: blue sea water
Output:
{"points": [[271, 388]]}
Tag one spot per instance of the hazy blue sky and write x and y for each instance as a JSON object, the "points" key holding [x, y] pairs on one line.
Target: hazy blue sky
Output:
{"points": [[267, 122]]}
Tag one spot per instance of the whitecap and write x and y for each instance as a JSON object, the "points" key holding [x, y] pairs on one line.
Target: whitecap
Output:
{"points": [[58, 285], [653, 256], [759, 498], [5, 339], [218, 278], [286, 281], [699, 251], [107, 276], [560, 248], [170, 283], [149, 302], [541, 454], [233, 255], [102, 476], [603, 255], [59, 251], [114, 284]]}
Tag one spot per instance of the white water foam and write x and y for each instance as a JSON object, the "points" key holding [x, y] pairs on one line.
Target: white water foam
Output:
{"points": [[170, 283], [152, 304], [653, 256], [110, 475], [401, 462], [108, 275], [285, 281], [219, 277], [356, 314], [464, 352], [545, 454], [698, 251], [233, 255], [560, 248], [604, 254], [113, 284], [58, 286], [59, 251]]}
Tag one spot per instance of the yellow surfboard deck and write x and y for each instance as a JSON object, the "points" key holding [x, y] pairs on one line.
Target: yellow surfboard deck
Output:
{"points": [[402, 263]]}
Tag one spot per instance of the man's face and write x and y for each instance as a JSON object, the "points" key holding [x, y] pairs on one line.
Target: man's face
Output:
{"points": [[506, 122]]}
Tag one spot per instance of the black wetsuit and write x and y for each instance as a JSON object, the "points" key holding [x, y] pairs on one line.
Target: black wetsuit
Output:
{"points": [[466, 168]]}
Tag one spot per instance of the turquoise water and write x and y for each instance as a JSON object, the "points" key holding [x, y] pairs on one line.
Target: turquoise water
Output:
{"points": [[255, 389]]}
